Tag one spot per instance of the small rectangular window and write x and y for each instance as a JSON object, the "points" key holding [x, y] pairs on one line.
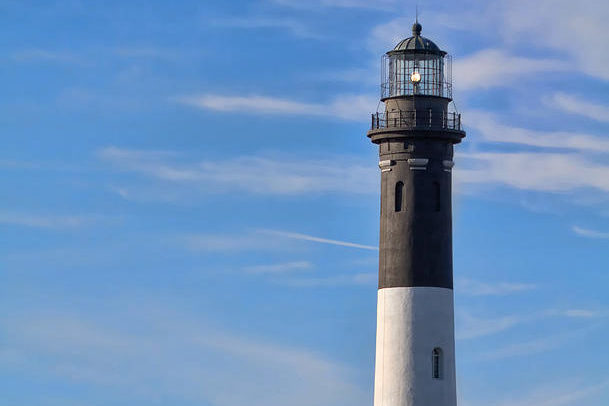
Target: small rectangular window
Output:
{"points": [[437, 363], [398, 196], [438, 202]]}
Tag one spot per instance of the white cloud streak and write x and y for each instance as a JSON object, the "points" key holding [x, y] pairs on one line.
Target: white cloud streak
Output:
{"points": [[282, 268], [478, 288], [577, 105], [44, 55], [470, 326], [261, 239], [344, 107], [574, 164], [497, 68], [259, 175], [306, 237], [230, 243], [535, 346], [163, 355], [46, 221], [582, 313], [546, 172], [491, 130], [147, 53], [358, 279], [359, 76], [294, 27], [588, 233], [569, 393], [386, 35], [369, 4], [578, 32]]}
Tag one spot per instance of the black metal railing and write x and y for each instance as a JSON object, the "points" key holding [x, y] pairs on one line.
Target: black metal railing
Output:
{"points": [[417, 120]]}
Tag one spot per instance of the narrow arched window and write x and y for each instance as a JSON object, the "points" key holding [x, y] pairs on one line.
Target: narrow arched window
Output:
{"points": [[436, 190], [436, 362], [399, 189]]}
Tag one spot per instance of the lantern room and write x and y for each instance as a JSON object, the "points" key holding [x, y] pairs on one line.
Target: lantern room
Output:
{"points": [[416, 89], [416, 66]]}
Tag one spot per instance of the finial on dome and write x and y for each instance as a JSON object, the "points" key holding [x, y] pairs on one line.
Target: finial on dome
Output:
{"points": [[416, 29]]}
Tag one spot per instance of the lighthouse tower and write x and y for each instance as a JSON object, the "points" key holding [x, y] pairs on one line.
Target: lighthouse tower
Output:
{"points": [[415, 131]]}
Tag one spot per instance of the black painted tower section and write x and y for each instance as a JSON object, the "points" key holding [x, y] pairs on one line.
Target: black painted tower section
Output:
{"points": [[415, 133]]}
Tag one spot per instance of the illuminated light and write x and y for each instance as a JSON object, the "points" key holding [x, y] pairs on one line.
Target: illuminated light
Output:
{"points": [[415, 77]]}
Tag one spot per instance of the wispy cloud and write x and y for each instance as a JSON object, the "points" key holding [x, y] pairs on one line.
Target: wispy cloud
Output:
{"points": [[386, 35], [488, 126], [582, 313], [261, 239], [469, 326], [146, 53], [259, 175], [107, 100], [496, 67], [558, 394], [281, 268], [478, 288], [546, 172], [360, 278], [586, 232], [344, 107], [306, 237], [538, 345], [46, 220], [45, 55], [366, 76], [567, 161], [160, 354], [375, 4], [577, 105], [230, 243], [555, 23], [296, 28]]}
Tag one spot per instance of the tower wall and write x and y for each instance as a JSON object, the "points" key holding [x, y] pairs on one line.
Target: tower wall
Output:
{"points": [[416, 241], [415, 297], [411, 323]]}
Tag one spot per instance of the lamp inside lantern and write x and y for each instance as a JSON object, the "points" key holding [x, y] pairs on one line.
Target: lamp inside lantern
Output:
{"points": [[415, 77]]}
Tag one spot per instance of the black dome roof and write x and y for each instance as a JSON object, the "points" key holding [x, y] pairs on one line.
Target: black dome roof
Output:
{"points": [[417, 43]]}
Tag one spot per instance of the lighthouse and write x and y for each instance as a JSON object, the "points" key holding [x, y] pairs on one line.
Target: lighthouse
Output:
{"points": [[415, 130]]}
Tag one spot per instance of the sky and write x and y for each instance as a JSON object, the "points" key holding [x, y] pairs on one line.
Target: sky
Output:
{"points": [[189, 208]]}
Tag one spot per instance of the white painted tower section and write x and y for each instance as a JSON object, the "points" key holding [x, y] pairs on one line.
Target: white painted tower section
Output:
{"points": [[411, 323]]}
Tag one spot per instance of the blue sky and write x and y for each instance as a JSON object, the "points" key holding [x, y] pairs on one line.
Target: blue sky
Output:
{"points": [[189, 210]]}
